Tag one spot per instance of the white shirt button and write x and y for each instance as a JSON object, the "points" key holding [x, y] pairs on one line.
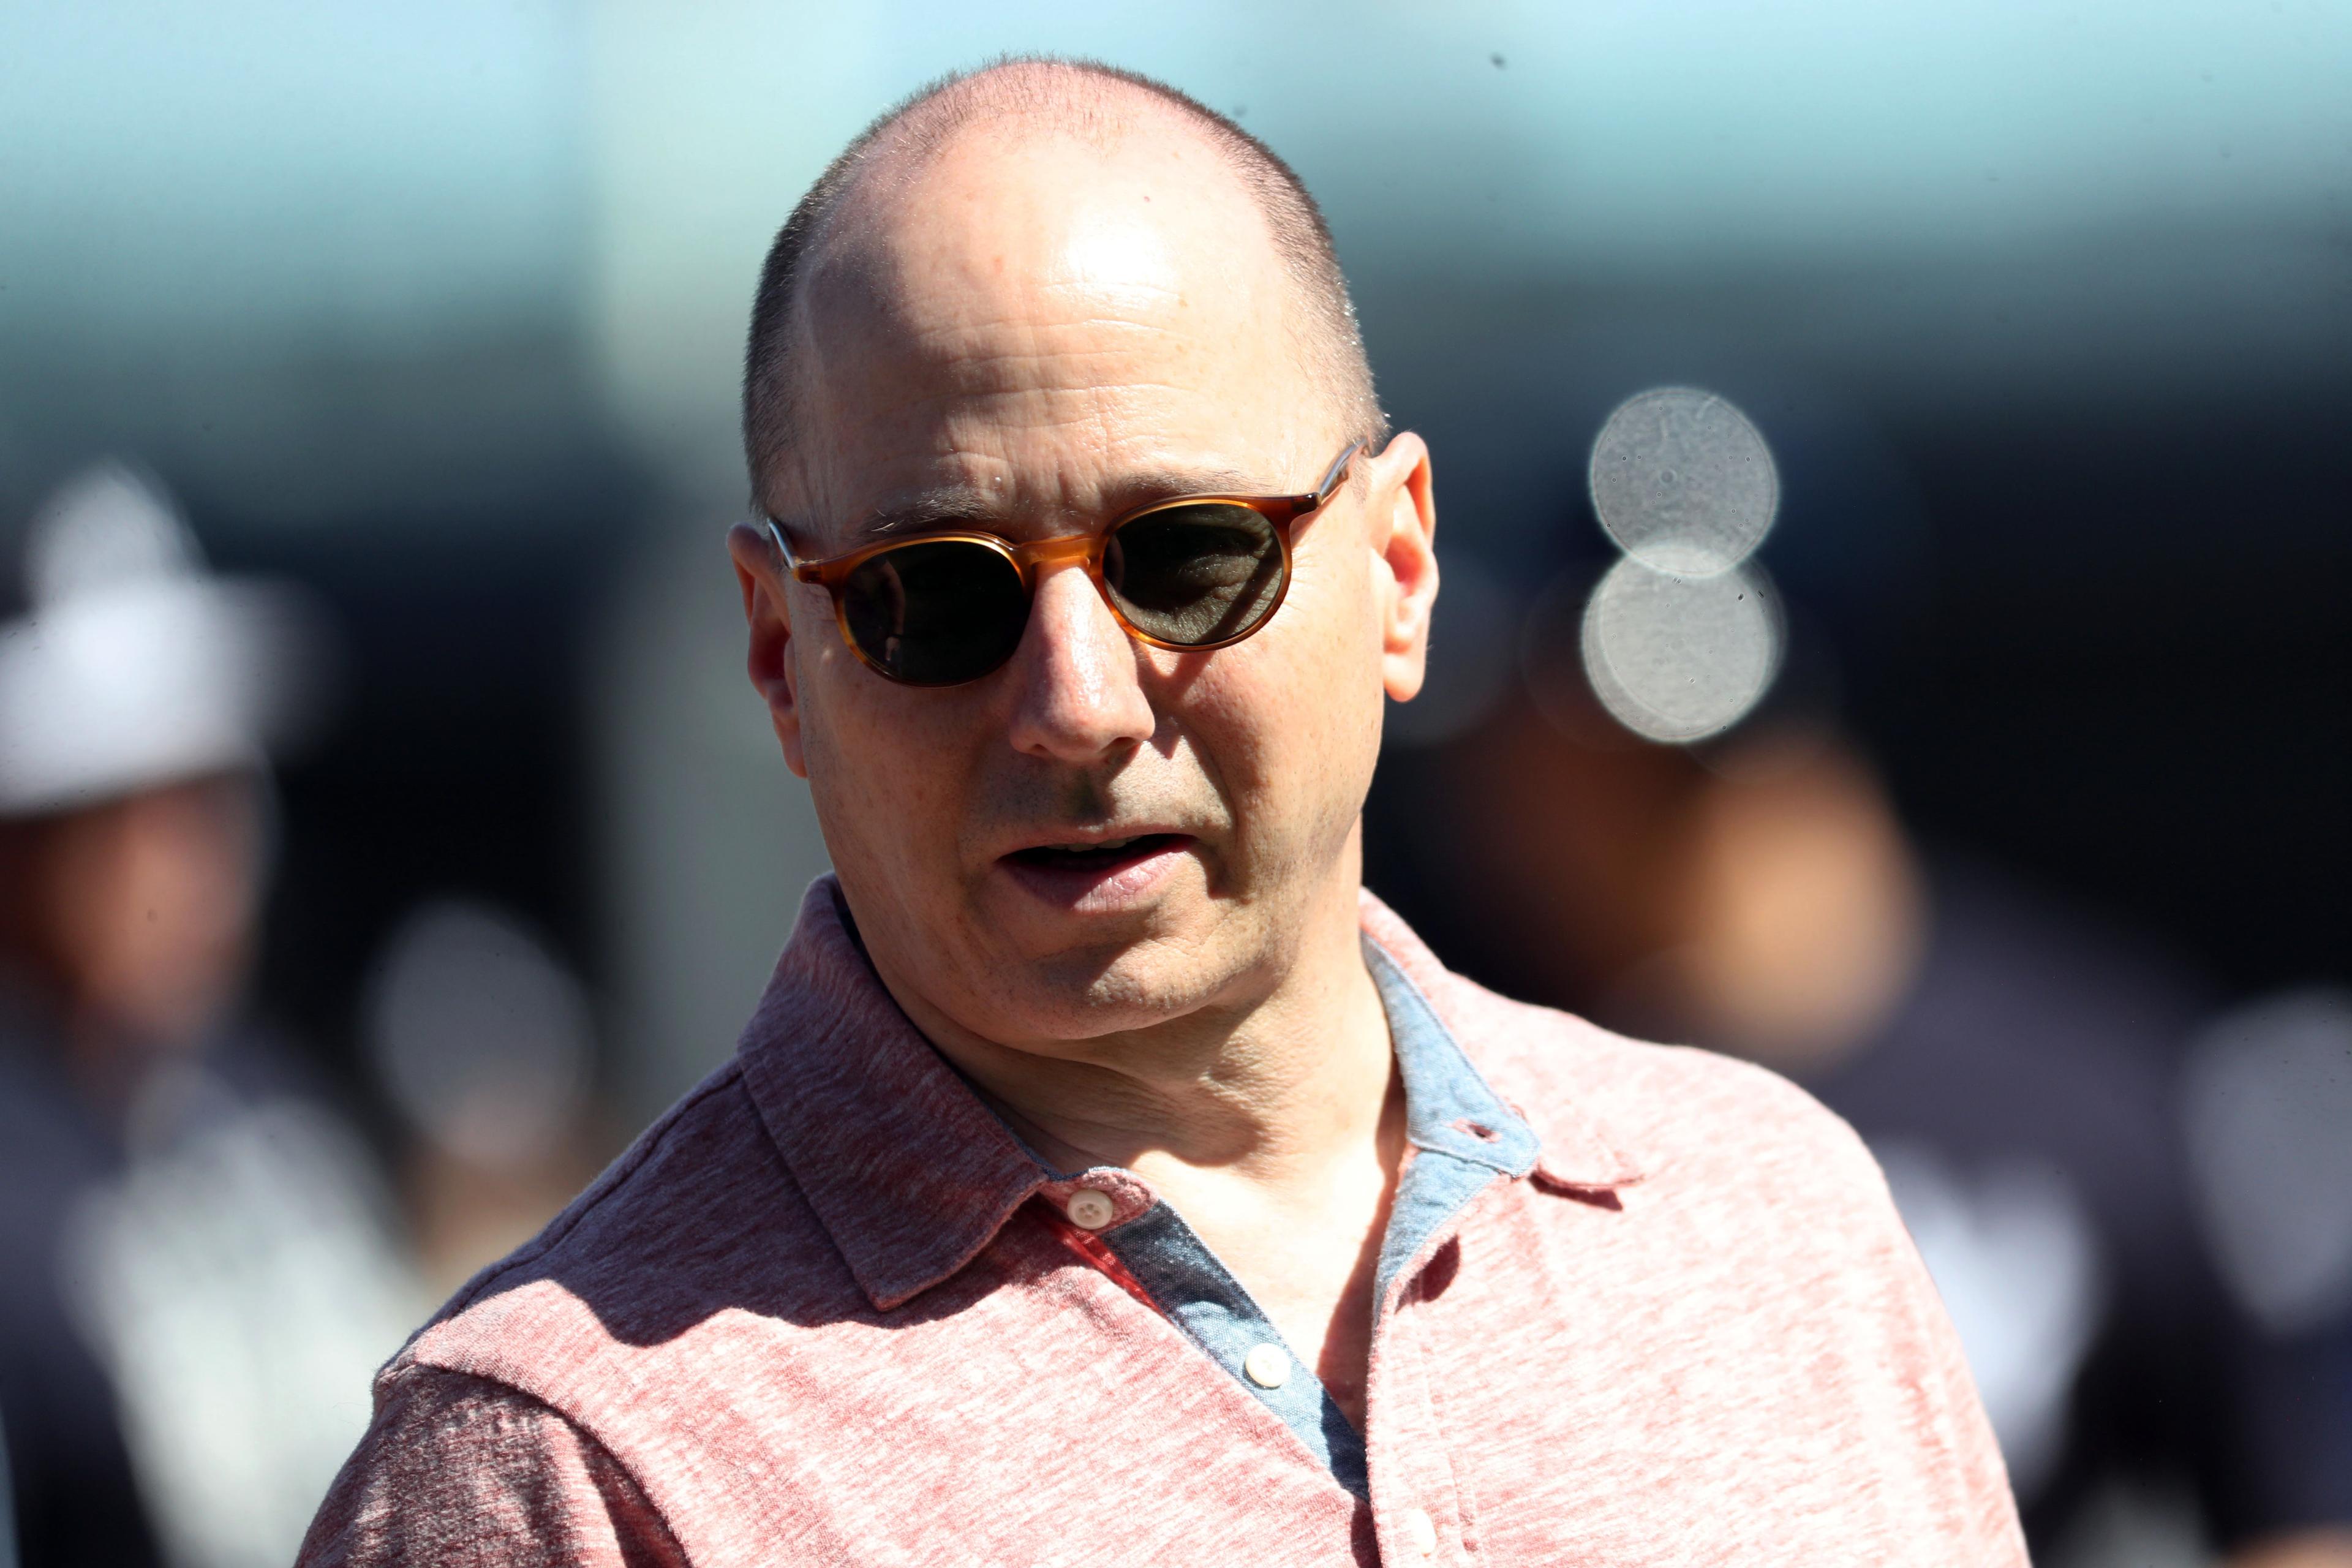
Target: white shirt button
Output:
{"points": [[1090, 1209], [1269, 1366], [1421, 1530]]}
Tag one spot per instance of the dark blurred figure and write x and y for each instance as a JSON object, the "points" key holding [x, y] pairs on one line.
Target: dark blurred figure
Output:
{"points": [[483, 1041], [2015, 1068], [197, 1279]]}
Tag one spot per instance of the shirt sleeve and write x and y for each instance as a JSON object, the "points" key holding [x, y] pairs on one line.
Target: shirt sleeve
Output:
{"points": [[460, 1470]]}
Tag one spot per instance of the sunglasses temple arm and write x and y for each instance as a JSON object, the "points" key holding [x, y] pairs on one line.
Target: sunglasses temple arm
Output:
{"points": [[792, 562], [1339, 472]]}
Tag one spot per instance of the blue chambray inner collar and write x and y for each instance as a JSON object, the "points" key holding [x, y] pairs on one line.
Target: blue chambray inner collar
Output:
{"points": [[1448, 1106], [1463, 1134]]}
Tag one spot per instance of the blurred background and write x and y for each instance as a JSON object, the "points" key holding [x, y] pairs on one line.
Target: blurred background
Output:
{"points": [[1895, 474]]}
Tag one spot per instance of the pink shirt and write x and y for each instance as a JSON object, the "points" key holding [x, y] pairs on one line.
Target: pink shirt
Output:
{"points": [[828, 1310]]}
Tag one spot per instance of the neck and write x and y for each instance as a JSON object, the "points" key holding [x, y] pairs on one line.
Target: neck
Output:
{"points": [[1275, 1124]]}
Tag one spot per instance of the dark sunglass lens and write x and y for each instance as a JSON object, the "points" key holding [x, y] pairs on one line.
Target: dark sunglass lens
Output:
{"points": [[937, 613], [1195, 575]]}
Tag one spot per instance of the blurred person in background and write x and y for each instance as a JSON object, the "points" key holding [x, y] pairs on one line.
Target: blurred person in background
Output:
{"points": [[2014, 1066], [197, 1265], [483, 1041]]}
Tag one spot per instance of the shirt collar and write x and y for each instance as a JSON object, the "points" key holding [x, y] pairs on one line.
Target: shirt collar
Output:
{"points": [[913, 1175], [1448, 1107], [1573, 1149], [907, 1170]]}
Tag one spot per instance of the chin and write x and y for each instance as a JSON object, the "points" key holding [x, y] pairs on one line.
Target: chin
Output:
{"points": [[1114, 983]]}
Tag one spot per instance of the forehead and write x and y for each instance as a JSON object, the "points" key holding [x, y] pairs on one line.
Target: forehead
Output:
{"points": [[1040, 313]]}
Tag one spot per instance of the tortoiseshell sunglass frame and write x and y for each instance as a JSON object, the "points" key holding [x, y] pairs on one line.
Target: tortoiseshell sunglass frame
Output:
{"points": [[1283, 512]]}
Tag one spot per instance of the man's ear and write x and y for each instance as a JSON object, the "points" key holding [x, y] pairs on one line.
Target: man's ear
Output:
{"points": [[758, 573], [1404, 542]]}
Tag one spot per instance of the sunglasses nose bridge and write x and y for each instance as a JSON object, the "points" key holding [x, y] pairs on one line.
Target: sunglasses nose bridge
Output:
{"points": [[1074, 547], [1081, 550]]}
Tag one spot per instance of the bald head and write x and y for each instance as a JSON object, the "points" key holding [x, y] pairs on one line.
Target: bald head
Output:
{"points": [[977, 139]]}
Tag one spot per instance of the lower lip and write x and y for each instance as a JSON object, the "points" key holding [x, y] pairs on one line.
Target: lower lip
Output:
{"points": [[1099, 889]]}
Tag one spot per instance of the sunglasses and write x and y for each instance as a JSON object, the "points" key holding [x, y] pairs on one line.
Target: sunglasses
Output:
{"points": [[943, 609]]}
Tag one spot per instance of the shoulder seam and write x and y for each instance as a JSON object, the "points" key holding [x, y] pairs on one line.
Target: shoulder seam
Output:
{"points": [[500, 1387]]}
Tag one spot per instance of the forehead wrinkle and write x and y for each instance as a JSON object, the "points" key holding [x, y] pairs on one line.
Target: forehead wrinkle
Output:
{"points": [[1019, 394], [1087, 307], [948, 504], [951, 349], [976, 394], [1011, 357], [1017, 354], [935, 325], [1030, 327]]}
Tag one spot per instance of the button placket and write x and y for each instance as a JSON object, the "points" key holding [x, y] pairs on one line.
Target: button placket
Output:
{"points": [[1416, 1499]]}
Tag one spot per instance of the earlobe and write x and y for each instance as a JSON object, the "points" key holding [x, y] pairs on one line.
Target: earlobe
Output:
{"points": [[768, 619], [1408, 562]]}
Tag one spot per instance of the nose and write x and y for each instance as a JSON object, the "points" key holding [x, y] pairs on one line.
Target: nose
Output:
{"points": [[1080, 698]]}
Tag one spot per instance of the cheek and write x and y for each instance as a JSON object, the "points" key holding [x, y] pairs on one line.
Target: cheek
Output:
{"points": [[885, 771], [1334, 655], [153, 909], [1294, 722]]}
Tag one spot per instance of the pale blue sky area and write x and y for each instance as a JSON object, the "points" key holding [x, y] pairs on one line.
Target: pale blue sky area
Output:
{"points": [[339, 169], [360, 170]]}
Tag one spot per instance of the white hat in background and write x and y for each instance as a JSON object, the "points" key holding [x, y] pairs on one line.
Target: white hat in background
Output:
{"points": [[134, 667]]}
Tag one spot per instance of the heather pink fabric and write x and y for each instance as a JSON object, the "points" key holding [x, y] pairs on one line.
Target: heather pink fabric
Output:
{"points": [[826, 1312]]}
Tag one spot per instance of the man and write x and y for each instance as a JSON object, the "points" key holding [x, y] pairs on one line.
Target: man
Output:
{"points": [[196, 1268], [1105, 1177]]}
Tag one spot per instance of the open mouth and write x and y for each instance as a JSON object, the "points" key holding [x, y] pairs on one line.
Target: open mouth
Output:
{"points": [[1109, 855]]}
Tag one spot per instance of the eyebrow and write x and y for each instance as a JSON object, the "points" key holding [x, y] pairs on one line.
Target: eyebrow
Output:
{"points": [[970, 507]]}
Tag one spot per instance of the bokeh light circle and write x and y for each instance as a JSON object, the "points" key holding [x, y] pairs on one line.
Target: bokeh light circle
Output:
{"points": [[1677, 658], [1683, 482]]}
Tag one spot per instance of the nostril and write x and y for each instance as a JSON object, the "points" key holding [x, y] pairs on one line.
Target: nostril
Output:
{"points": [[1478, 1130]]}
